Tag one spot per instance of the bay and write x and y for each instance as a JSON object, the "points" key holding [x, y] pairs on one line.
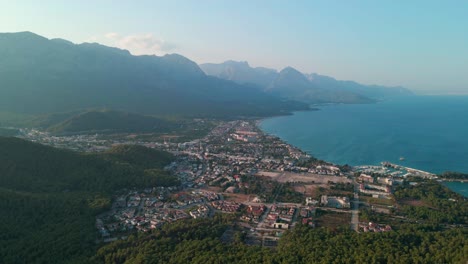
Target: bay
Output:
{"points": [[429, 132]]}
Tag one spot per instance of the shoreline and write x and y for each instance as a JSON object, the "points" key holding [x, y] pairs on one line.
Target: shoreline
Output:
{"points": [[424, 174], [437, 177], [453, 180], [436, 171]]}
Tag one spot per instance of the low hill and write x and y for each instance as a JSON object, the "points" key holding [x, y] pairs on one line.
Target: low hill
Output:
{"points": [[33, 167], [454, 175], [49, 197], [111, 121], [142, 157]]}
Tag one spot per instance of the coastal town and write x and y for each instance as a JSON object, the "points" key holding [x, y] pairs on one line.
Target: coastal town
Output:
{"points": [[218, 132], [267, 184]]}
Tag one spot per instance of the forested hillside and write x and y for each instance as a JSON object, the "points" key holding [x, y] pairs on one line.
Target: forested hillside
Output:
{"points": [[49, 197], [31, 167], [108, 121], [198, 241]]}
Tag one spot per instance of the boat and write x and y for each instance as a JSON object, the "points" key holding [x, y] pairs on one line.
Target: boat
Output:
{"points": [[402, 158]]}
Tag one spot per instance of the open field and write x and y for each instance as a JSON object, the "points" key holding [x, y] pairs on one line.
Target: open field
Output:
{"points": [[234, 197], [303, 177], [212, 188], [333, 219], [238, 197], [415, 202], [311, 190], [378, 201]]}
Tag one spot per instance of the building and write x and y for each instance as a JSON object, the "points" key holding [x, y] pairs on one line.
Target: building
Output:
{"points": [[310, 201], [280, 225], [335, 201], [366, 178]]}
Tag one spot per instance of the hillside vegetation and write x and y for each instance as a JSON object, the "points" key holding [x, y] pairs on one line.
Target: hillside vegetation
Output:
{"points": [[111, 121], [49, 197], [33, 167], [198, 241]]}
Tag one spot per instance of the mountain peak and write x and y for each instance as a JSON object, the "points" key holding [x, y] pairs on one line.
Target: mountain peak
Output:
{"points": [[182, 64], [177, 58], [291, 73], [99, 47], [23, 35], [241, 73], [63, 41], [237, 63], [290, 69]]}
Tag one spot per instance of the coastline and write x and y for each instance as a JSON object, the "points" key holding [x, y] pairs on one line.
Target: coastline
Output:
{"points": [[312, 107], [453, 180], [320, 136], [257, 125], [435, 176]]}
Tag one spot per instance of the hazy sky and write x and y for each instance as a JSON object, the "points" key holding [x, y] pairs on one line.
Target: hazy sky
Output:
{"points": [[422, 45]]}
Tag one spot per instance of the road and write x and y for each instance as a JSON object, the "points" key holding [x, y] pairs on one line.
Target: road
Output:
{"points": [[336, 210], [140, 210], [355, 210]]}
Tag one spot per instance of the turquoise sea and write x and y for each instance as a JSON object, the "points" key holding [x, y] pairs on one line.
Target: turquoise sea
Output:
{"points": [[429, 132], [459, 187]]}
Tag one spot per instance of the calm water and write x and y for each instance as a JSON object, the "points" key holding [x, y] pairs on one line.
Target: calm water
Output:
{"points": [[430, 132], [459, 187]]}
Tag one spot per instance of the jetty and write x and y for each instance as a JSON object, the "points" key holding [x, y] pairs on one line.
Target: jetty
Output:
{"points": [[412, 171]]}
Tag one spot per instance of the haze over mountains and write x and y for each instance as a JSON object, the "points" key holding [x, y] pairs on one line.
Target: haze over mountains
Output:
{"points": [[292, 84], [39, 76], [62, 206]]}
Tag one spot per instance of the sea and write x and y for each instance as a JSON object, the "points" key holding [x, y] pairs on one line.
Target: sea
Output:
{"points": [[429, 133]]}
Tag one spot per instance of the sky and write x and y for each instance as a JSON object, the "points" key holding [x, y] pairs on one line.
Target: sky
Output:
{"points": [[419, 44]]}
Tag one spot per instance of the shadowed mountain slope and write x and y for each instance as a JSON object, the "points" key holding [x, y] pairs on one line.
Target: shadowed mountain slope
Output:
{"points": [[38, 76]]}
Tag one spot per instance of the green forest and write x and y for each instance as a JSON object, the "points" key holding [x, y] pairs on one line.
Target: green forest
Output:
{"points": [[111, 121], [197, 241], [454, 175], [436, 204], [49, 197]]}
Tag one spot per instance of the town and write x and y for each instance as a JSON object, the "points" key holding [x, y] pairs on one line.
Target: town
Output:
{"points": [[269, 185]]}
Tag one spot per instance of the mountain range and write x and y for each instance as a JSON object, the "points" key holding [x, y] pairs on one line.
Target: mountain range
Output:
{"points": [[40, 75], [310, 88]]}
